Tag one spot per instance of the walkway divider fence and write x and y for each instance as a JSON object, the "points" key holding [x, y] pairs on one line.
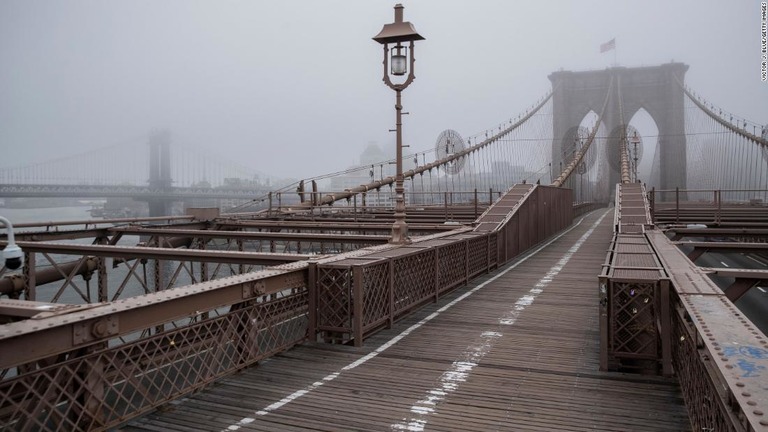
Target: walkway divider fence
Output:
{"points": [[353, 297]]}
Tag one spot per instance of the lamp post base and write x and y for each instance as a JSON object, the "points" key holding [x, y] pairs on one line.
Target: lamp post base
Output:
{"points": [[399, 233]]}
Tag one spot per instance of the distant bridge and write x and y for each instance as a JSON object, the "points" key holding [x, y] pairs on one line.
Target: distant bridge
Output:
{"points": [[145, 173], [126, 191]]}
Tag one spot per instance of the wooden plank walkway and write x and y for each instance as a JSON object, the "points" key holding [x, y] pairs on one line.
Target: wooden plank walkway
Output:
{"points": [[516, 350]]}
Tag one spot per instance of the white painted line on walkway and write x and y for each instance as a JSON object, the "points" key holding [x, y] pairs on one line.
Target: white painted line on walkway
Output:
{"points": [[328, 378], [460, 369]]}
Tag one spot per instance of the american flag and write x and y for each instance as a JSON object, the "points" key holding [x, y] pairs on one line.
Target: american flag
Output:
{"points": [[611, 44]]}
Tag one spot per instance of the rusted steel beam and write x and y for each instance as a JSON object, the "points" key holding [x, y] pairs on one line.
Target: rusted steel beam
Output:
{"points": [[59, 235], [15, 283], [71, 234], [700, 248], [725, 245], [739, 287], [101, 221], [737, 273], [51, 333], [315, 226], [28, 309], [716, 232], [731, 344], [696, 253], [253, 235], [136, 252]]}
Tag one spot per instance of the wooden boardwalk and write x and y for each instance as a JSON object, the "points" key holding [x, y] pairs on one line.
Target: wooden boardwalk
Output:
{"points": [[516, 350]]}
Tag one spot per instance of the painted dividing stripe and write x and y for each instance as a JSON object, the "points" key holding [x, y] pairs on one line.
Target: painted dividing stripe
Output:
{"points": [[328, 378], [471, 357]]}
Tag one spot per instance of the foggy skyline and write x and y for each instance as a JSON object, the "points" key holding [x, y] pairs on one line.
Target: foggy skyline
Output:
{"points": [[293, 89]]}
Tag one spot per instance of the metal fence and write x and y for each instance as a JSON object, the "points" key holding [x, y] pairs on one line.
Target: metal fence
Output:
{"points": [[661, 314], [357, 296], [93, 367], [101, 385]]}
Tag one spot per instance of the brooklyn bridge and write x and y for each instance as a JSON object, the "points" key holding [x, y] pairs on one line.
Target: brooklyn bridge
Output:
{"points": [[561, 270]]}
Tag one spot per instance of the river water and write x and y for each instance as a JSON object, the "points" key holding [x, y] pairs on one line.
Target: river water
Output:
{"points": [[19, 215]]}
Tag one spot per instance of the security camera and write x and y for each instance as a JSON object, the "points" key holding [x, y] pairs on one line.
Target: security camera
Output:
{"points": [[12, 253], [13, 257]]}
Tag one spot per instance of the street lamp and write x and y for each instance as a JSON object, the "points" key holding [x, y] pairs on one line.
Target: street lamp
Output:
{"points": [[635, 140], [397, 58]]}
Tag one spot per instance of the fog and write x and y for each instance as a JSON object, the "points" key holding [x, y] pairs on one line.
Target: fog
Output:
{"points": [[293, 89]]}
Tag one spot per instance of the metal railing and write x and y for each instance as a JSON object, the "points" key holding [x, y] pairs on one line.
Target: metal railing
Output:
{"points": [[691, 330], [354, 297], [92, 367]]}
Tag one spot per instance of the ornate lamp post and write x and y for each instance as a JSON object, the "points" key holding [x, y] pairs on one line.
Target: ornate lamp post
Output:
{"points": [[635, 140], [397, 58]]}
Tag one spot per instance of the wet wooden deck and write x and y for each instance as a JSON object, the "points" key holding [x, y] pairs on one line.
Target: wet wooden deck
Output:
{"points": [[516, 350]]}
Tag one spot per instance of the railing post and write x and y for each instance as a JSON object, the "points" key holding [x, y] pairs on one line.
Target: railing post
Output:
{"points": [[437, 274], [604, 313], [652, 203], [490, 196], [666, 329], [719, 207], [101, 279], [476, 215], [93, 376], [677, 204], [354, 201], [488, 252], [269, 212], [466, 262], [445, 204], [357, 304], [29, 274], [391, 284], [312, 297]]}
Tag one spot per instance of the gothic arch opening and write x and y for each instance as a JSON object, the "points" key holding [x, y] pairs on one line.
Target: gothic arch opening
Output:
{"points": [[647, 147]]}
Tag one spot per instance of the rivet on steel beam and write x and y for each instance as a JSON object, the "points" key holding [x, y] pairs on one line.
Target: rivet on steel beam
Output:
{"points": [[100, 329]]}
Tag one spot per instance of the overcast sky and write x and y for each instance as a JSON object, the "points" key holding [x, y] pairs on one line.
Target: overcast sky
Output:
{"points": [[293, 88]]}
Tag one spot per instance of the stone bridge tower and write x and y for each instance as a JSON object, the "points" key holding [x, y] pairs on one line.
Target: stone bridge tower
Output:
{"points": [[160, 171], [653, 88]]}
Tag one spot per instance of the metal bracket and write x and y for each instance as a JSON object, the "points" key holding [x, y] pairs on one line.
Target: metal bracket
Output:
{"points": [[93, 330]]}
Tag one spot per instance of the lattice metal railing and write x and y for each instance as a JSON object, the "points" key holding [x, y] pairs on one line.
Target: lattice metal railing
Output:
{"points": [[376, 301], [694, 369], [355, 297], [633, 319], [334, 299], [479, 255], [99, 386], [452, 265], [414, 279]]}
